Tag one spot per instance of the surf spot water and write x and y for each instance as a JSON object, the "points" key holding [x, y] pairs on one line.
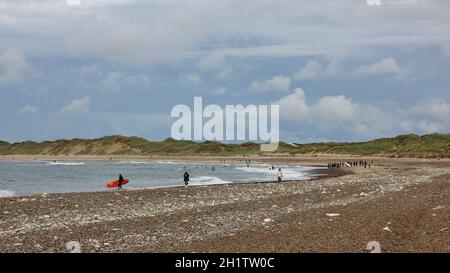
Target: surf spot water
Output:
{"points": [[36, 177]]}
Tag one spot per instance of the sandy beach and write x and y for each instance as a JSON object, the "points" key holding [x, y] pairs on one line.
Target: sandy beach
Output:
{"points": [[403, 204]]}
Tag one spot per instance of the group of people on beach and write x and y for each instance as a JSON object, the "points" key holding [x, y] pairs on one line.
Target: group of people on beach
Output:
{"points": [[350, 164]]}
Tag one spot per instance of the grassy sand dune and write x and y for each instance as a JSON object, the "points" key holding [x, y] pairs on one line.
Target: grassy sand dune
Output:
{"points": [[427, 146]]}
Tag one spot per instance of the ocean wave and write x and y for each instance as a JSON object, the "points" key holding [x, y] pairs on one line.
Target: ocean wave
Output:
{"points": [[134, 162], [257, 170], [288, 173], [6, 193], [65, 163], [207, 180], [171, 162]]}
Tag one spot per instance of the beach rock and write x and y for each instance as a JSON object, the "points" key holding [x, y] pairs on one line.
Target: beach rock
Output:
{"points": [[333, 214]]}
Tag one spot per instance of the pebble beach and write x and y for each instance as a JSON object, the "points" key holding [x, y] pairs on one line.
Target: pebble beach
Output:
{"points": [[401, 207]]}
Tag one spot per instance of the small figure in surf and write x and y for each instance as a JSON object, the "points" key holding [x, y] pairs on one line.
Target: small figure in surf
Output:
{"points": [[119, 186], [280, 175], [186, 179]]}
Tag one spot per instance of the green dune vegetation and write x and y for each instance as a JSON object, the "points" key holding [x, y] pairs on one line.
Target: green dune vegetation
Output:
{"points": [[426, 146]]}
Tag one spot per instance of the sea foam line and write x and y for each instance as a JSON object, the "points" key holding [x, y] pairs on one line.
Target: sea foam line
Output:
{"points": [[6, 193], [65, 163]]}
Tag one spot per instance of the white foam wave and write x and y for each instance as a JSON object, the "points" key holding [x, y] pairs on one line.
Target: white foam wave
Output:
{"points": [[65, 163], [172, 162], [288, 173], [6, 193], [134, 162], [207, 180], [257, 170]]}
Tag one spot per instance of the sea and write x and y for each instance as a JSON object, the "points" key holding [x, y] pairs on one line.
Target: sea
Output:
{"points": [[18, 178]]}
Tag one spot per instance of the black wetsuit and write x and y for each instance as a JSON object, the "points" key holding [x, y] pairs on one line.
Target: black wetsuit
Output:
{"points": [[186, 178], [119, 187]]}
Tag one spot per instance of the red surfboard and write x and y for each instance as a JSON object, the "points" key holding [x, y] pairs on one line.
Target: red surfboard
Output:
{"points": [[115, 184]]}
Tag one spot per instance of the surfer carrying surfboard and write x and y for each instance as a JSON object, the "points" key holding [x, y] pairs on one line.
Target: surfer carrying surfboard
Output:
{"points": [[119, 185]]}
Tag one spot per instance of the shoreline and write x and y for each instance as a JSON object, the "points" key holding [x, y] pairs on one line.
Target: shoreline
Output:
{"points": [[212, 158], [402, 206], [314, 175]]}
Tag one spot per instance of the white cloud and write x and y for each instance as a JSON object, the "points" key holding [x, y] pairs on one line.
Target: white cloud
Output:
{"points": [[155, 31], [333, 114], [277, 83], [310, 71], [116, 81], [190, 78], [314, 70], [215, 61], [77, 106], [385, 67], [344, 116], [13, 66], [336, 109], [436, 108], [28, 109], [112, 81], [293, 106], [430, 127]]}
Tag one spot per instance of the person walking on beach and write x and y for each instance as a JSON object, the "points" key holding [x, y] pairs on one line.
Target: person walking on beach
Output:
{"points": [[119, 186], [280, 175], [186, 179]]}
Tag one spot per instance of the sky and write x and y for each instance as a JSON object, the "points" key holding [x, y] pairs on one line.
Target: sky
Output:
{"points": [[341, 70]]}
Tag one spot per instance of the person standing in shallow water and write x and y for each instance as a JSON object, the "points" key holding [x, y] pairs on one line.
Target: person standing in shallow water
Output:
{"points": [[119, 186], [280, 175], [186, 179]]}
